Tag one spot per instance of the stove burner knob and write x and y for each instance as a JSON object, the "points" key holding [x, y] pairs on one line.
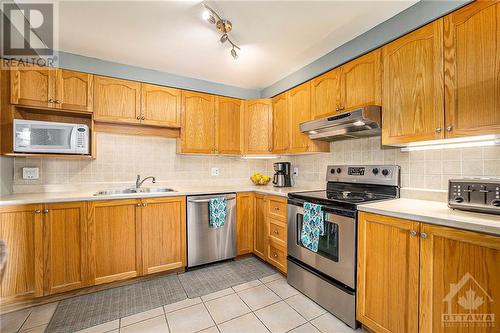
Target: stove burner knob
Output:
{"points": [[460, 199], [385, 172], [332, 171], [339, 170], [375, 171], [496, 202]]}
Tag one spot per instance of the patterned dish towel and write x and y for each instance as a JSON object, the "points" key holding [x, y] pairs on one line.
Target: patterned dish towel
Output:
{"points": [[312, 227], [217, 212]]}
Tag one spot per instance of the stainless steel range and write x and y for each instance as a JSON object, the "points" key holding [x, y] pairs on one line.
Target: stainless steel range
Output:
{"points": [[328, 276]]}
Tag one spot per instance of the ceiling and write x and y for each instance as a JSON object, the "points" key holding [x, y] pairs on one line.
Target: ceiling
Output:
{"points": [[276, 37]]}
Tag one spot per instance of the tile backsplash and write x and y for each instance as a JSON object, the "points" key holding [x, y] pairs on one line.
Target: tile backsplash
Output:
{"points": [[121, 157]]}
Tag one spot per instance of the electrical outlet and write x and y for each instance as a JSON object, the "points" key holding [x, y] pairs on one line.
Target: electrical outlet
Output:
{"points": [[215, 172], [31, 173], [295, 172]]}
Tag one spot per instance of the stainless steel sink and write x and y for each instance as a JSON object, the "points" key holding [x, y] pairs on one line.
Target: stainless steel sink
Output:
{"points": [[133, 191]]}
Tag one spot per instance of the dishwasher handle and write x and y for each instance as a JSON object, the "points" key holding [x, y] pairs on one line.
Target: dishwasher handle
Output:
{"points": [[206, 200]]}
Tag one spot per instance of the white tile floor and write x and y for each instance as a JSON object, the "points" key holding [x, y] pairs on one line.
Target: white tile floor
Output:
{"points": [[266, 305]]}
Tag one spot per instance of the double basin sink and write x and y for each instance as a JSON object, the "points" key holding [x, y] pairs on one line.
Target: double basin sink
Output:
{"points": [[133, 190]]}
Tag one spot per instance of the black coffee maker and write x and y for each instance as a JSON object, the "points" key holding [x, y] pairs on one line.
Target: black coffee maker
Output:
{"points": [[282, 176]]}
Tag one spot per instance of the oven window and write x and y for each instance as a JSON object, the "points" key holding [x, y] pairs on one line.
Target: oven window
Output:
{"points": [[328, 243]]}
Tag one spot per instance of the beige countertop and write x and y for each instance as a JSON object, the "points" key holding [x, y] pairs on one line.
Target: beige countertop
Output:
{"points": [[435, 212], [52, 197]]}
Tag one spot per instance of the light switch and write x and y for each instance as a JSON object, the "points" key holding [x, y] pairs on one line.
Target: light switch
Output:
{"points": [[215, 172], [31, 173]]}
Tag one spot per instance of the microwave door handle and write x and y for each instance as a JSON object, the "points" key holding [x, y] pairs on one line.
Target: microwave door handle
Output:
{"points": [[73, 139]]}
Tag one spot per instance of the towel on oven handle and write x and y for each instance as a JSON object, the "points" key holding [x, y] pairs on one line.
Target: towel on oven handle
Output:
{"points": [[313, 226]]}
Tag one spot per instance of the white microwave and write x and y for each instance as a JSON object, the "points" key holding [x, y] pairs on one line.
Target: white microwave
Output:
{"points": [[31, 136]]}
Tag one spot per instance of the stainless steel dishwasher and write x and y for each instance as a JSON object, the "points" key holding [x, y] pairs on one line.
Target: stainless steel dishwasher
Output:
{"points": [[205, 244]]}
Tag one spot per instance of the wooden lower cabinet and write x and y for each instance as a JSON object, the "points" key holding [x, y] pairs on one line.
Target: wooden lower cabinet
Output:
{"points": [[260, 226], [21, 229], [163, 222], [417, 277], [244, 222], [65, 247], [115, 240]]}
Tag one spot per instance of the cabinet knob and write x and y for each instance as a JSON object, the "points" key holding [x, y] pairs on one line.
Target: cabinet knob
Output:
{"points": [[143, 118], [276, 232], [449, 128], [138, 117], [45, 211], [38, 211], [144, 204], [51, 100], [413, 232], [438, 130], [423, 235], [275, 255], [58, 101], [341, 108], [138, 205]]}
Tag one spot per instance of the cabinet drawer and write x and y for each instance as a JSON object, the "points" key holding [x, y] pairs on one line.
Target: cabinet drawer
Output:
{"points": [[277, 208], [276, 256], [277, 231]]}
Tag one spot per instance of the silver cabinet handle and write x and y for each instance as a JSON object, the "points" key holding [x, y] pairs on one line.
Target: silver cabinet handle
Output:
{"points": [[58, 101], [438, 130], [138, 117], [413, 232], [138, 205], [423, 235], [38, 211], [144, 205], [45, 211], [142, 118], [449, 128], [51, 100]]}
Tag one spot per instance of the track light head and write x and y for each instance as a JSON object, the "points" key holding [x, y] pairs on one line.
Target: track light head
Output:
{"points": [[234, 54], [224, 38]]}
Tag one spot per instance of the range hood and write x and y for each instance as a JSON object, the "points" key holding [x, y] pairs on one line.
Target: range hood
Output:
{"points": [[356, 123]]}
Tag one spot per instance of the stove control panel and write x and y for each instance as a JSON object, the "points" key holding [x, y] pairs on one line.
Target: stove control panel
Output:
{"points": [[475, 194], [369, 174]]}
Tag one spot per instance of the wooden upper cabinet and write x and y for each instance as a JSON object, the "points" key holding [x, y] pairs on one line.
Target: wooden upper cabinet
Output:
{"points": [[33, 86], [326, 94], [21, 229], [280, 123], [115, 240], [116, 100], [244, 222], [160, 106], [413, 96], [361, 82], [458, 275], [228, 123], [198, 123], [65, 247], [260, 226], [299, 109], [74, 91], [472, 69], [258, 126], [388, 268], [163, 234]]}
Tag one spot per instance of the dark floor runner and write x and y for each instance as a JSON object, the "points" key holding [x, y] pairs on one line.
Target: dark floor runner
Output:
{"points": [[81, 312]]}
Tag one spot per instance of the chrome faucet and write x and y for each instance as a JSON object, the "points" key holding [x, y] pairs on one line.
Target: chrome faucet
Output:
{"points": [[138, 181]]}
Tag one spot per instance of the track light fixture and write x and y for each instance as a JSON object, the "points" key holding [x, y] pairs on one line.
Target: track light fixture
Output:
{"points": [[223, 26]]}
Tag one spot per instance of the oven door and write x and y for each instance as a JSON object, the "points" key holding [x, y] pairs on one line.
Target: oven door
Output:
{"points": [[336, 256]]}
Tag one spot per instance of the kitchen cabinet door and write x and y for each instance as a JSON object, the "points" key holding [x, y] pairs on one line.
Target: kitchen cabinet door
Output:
{"points": [[299, 108], [280, 124], [388, 268], [228, 125], [325, 94], [258, 126], [116, 100], [160, 106], [260, 226], [413, 96], [115, 240], [361, 82], [244, 222], [74, 91], [163, 234], [33, 86], [198, 123], [472, 70], [65, 247], [459, 273], [21, 229]]}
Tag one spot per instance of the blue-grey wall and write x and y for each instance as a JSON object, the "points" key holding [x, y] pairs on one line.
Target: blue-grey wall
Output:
{"points": [[415, 16], [109, 68]]}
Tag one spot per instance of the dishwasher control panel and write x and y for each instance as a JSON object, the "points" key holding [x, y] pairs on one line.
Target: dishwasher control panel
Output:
{"points": [[475, 194]]}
